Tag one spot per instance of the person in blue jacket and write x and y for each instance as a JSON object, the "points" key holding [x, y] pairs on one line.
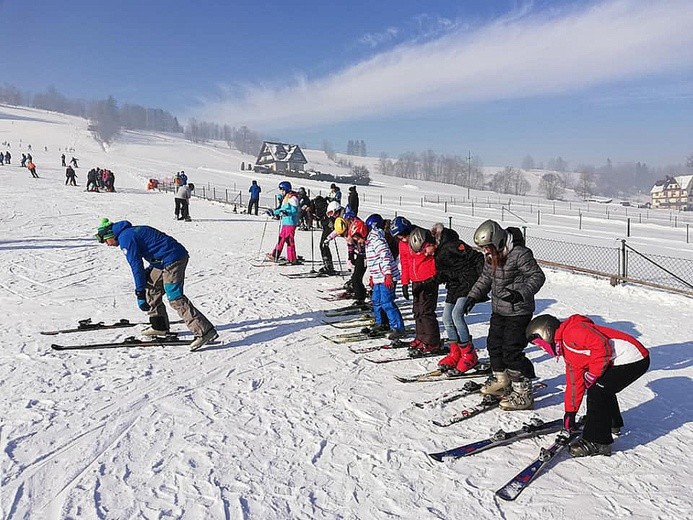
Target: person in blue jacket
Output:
{"points": [[254, 197], [288, 210], [165, 274]]}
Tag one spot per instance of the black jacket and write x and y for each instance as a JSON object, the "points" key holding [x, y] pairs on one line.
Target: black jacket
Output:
{"points": [[458, 265]]}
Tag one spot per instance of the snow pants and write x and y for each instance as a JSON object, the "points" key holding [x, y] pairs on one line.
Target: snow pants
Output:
{"points": [[425, 300], [384, 302], [169, 281], [506, 344], [286, 236], [357, 277], [253, 203], [603, 412]]}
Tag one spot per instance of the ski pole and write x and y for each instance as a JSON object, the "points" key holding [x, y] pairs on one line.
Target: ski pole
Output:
{"points": [[262, 238], [312, 250], [336, 248]]}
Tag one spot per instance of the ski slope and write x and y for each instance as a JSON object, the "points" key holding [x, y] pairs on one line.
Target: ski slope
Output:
{"points": [[274, 422]]}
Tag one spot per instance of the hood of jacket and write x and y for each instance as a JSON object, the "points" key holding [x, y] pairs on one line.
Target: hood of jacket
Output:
{"points": [[575, 319], [120, 226]]}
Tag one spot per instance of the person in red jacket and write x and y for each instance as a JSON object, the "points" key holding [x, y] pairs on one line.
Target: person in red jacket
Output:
{"points": [[416, 250], [599, 361]]}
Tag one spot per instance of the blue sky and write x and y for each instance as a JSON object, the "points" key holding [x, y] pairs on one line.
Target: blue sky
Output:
{"points": [[585, 80]]}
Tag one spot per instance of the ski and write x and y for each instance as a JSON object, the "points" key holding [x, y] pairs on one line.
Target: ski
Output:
{"points": [[347, 310], [405, 357], [533, 428], [337, 297], [373, 348], [488, 402], [481, 369], [314, 274], [470, 387], [85, 325], [352, 337], [519, 482], [128, 342], [361, 321]]}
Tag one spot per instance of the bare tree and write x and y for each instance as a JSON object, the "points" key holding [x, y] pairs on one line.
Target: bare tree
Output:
{"points": [[552, 186], [586, 183], [528, 163]]}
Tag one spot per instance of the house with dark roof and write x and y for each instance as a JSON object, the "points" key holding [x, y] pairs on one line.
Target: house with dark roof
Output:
{"points": [[673, 193], [280, 157]]}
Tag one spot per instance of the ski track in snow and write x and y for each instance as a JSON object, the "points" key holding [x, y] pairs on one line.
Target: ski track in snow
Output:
{"points": [[275, 422]]}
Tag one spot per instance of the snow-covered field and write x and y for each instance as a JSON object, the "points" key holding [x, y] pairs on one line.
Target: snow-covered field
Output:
{"points": [[275, 422]]}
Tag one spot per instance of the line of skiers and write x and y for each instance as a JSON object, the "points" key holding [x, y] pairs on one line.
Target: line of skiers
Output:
{"points": [[600, 361]]}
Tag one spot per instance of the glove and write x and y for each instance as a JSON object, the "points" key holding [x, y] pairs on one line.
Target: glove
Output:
{"points": [[569, 421], [468, 305], [512, 297], [370, 282], [142, 300], [590, 379], [390, 284], [405, 291], [269, 212]]}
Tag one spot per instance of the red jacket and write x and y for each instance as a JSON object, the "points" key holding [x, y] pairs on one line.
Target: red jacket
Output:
{"points": [[588, 347], [416, 267]]}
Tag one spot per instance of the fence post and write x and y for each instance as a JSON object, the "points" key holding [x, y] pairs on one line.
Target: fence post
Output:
{"points": [[472, 208], [538, 217], [450, 222], [524, 233], [203, 192], [623, 264], [400, 200], [422, 201], [381, 198], [240, 198], [214, 193], [227, 195], [628, 227], [446, 206], [502, 213], [580, 221], [676, 221], [554, 208]]}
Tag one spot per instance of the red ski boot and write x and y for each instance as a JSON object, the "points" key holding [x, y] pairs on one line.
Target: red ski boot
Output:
{"points": [[450, 361]]}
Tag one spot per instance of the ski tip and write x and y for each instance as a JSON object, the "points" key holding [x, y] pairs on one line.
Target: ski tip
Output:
{"points": [[501, 493], [435, 456], [49, 332]]}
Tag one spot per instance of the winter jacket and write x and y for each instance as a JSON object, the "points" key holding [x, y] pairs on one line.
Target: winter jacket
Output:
{"points": [[146, 243], [588, 347], [289, 209], [417, 267], [254, 191], [183, 192], [379, 259], [335, 195], [354, 200], [458, 265], [519, 272]]}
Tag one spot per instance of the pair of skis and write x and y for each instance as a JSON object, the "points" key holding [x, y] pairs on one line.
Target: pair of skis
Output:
{"points": [[87, 325], [534, 428], [132, 341], [481, 369], [354, 337]]}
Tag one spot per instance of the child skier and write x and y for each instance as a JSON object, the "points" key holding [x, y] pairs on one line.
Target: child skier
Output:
{"points": [[288, 211]]}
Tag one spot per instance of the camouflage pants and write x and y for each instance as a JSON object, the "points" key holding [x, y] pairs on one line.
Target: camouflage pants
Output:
{"points": [[169, 281]]}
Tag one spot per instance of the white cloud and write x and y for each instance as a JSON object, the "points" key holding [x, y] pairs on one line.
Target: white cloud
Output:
{"points": [[519, 56], [376, 39]]}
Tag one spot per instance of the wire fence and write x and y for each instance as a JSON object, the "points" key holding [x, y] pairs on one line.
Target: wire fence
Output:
{"points": [[620, 263]]}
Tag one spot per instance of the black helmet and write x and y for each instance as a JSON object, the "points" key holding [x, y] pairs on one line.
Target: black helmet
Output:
{"points": [[542, 327], [490, 233], [417, 238]]}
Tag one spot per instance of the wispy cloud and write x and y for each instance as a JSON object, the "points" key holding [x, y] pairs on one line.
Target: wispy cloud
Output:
{"points": [[524, 54], [377, 39]]}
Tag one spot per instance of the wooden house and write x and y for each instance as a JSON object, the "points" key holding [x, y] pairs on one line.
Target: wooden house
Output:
{"points": [[280, 157], [673, 193]]}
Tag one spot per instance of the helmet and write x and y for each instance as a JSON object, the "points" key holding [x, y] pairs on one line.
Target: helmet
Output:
{"points": [[358, 228], [374, 221], [417, 237], [349, 213], [285, 186], [333, 207], [490, 233], [542, 330], [340, 226], [400, 226]]}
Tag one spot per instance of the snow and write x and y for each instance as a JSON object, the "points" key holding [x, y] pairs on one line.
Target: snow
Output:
{"points": [[275, 422]]}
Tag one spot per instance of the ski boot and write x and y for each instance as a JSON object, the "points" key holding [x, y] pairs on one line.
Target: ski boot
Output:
{"points": [[521, 396], [419, 349], [468, 359], [449, 362], [496, 384], [375, 330], [158, 327], [201, 341], [396, 334], [583, 448]]}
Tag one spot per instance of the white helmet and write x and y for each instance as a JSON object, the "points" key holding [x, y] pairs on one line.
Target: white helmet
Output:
{"points": [[333, 207]]}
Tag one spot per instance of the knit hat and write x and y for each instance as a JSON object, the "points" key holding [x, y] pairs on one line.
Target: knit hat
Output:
{"points": [[105, 230]]}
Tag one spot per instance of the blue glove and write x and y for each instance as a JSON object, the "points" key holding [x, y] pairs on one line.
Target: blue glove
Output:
{"points": [[512, 297], [142, 300]]}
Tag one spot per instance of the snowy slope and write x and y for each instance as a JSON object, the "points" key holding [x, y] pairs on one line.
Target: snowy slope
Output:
{"points": [[275, 422]]}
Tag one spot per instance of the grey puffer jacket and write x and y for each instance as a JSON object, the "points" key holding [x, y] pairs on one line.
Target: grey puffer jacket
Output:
{"points": [[520, 273]]}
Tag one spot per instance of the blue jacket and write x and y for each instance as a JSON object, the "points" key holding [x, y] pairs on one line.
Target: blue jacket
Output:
{"points": [[254, 191], [289, 209], [146, 243]]}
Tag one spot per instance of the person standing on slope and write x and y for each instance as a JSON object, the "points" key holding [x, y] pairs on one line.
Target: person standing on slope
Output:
{"points": [[459, 267], [254, 201], [32, 168], [182, 199], [513, 277], [384, 274], [288, 211], [333, 212], [600, 361], [165, 274]]}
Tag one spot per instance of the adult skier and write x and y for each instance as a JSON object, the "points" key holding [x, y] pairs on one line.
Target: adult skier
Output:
{"points": [[513, 277], [254, 200], [71, 176], [288, 211], [165, 274], [600, 361], [182, 201]]}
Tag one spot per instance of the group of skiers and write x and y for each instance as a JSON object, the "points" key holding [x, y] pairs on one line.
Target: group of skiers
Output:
{"points": [[5, 158], [600, 361], [99, 179]]}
